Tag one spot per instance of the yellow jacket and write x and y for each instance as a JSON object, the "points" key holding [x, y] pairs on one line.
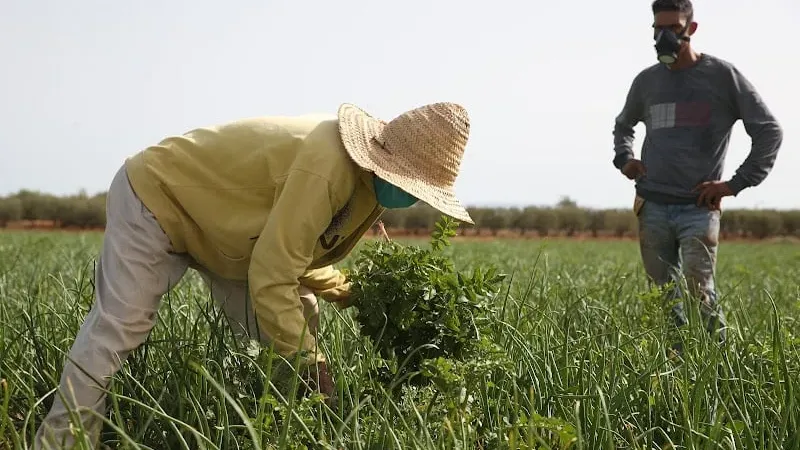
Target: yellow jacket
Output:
{"points": [[274, 201]]}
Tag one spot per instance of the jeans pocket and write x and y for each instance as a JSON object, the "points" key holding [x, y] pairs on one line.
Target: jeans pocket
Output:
{"points": [[638, 204]]}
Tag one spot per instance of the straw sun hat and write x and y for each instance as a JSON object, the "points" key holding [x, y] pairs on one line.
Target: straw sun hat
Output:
{"points": [[419, 151]]}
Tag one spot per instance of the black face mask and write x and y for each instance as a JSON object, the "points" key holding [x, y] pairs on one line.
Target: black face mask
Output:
{"points": [[668, 44]]}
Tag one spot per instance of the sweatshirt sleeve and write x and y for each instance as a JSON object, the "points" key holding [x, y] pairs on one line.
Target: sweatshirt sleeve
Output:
{"points": [[762, 127], [329, 283], [632, 113], [281, 256]]}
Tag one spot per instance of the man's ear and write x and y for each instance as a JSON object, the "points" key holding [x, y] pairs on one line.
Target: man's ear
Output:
{"points": [[692, 28]]}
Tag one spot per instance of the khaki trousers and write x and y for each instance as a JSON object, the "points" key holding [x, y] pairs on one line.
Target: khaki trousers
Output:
{"points": [[136, 267]]}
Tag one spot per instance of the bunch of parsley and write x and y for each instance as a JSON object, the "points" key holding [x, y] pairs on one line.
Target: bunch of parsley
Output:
{"points": [[426, 321]]}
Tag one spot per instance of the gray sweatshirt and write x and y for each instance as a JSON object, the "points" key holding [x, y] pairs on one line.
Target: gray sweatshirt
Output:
{"points": [[689, 115]]}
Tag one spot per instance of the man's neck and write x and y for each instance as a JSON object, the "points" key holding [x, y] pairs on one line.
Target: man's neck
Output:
{"points": [[687, 59]]}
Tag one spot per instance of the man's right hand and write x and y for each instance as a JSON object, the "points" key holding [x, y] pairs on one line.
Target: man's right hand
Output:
{"points": [[634, 169]]}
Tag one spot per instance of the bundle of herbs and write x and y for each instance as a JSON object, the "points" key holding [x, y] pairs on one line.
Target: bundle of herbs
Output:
{"points": [[427, 322]]}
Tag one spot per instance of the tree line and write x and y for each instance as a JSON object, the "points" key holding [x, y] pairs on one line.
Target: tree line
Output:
{"points": [[73, 211], [565, 218], [569, 219]]}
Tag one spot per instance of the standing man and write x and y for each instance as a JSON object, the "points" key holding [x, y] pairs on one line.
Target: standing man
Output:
{"points": [[261, 207], [689, 101]]}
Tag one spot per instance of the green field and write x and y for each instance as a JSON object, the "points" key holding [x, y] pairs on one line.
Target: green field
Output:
{"points": [[585, 333]]}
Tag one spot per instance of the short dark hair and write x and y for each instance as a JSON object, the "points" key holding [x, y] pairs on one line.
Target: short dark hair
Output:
{"points": [[682, 6]]}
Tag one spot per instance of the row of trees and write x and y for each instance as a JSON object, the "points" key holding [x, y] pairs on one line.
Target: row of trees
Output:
{"points": [[81, 210], [568, 219], [565, 218]]}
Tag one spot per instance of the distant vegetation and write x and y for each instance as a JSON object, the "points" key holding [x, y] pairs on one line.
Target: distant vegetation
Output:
{"points": [[564, 219], [81, 210]]}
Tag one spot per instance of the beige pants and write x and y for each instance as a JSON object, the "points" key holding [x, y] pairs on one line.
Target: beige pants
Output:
{"points": [[135, 269]]}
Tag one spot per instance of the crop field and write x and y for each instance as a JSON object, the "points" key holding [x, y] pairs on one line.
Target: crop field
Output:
{"points": [[582, 336]]}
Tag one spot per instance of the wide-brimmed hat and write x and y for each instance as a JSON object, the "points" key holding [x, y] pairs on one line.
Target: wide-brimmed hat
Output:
{"points": [[419, 151]]}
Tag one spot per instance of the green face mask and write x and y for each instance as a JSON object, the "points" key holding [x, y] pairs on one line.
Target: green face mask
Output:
{"points": [[391, 196]]}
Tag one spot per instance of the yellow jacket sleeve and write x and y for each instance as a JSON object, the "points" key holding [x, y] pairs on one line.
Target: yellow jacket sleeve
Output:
{"points": [[281, 256], [329, 283]]}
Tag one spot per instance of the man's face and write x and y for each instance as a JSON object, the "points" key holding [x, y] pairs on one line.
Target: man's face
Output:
{"points": [[675, 21]]}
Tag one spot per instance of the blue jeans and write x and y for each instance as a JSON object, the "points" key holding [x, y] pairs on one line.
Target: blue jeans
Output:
{"points": [[677, 240]]}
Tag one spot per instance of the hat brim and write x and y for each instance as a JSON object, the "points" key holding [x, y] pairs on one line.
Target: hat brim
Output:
{"points": [[359, 131]]}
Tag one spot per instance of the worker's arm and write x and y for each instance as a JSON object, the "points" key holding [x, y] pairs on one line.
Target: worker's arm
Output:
{"points": [[281, 256], [329, 283]]}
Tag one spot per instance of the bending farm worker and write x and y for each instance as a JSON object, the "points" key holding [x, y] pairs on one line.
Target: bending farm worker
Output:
{"points": [[261, 208]]}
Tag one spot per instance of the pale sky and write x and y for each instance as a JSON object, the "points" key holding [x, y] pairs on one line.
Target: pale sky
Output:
{"points": [[86, 83]]}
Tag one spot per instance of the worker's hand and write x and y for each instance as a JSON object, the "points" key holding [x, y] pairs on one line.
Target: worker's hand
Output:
{"points": [[711, 193], [633, 169], [344, 302], [319, 379]]}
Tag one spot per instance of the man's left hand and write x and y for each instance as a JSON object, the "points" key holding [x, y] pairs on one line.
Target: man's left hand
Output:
{"points": [[711, 193]]}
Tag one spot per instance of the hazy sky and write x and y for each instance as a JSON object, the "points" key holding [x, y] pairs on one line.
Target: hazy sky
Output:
{"points": [[84, 84]]}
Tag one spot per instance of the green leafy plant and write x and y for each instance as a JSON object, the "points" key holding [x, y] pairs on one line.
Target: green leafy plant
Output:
{"points": [[427, 321]]}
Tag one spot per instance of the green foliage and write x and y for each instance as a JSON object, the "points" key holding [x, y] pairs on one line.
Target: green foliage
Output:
{"points": [[10, 209], [80, 210], [422, 315], [585, 334]]}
